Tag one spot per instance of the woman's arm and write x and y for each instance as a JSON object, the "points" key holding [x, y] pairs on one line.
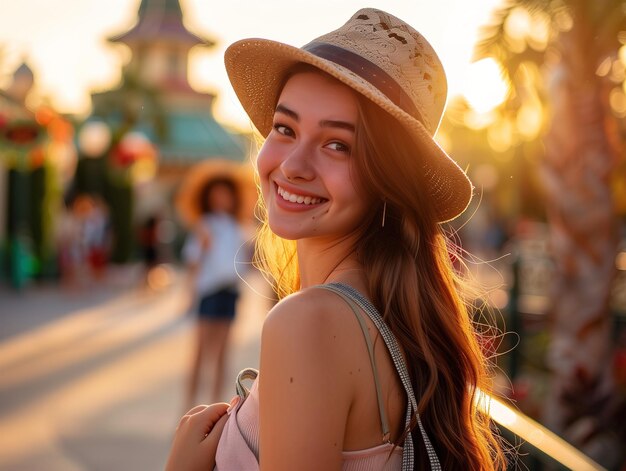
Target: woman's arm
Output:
{"points": [[304, 387]]}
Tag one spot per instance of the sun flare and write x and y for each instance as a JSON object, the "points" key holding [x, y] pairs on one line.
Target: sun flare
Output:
{"points": [[484, 88]]}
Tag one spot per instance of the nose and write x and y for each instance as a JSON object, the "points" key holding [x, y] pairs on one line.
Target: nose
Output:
{"points": [[297, 163]]}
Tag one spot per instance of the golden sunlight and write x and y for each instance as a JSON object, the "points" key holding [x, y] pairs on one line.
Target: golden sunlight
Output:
{"points": [[71, 57], [500, 135], [529, 120], [534, 433], [484, 88]]}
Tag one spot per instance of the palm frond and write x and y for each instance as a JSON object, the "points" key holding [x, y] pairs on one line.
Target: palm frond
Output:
{"points": [[538, 6], [492, 36], [495, 43]]}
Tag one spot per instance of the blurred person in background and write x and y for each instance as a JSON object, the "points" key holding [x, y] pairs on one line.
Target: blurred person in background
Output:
{"points": [[149, 245], [97, 235], [82, 239], [209, 253], [69, 247]]}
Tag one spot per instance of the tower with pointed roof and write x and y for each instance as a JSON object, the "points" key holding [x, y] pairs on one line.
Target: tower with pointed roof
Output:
{"points": [[23, 80], [160, 44], [156, 99], [155, 96]]}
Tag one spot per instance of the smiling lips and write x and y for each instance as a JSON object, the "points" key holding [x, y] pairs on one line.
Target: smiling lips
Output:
{"points": [[295, 198]]}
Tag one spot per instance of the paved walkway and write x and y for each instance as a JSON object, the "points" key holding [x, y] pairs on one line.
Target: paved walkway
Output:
{"points": [[99, 386]]}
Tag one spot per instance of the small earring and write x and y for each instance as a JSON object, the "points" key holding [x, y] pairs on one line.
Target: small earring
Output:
{"points": [[384, 213]]}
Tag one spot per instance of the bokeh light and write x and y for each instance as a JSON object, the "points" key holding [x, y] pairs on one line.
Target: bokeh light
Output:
{"points": [[620, 261], [484, 86], [94, 139]]}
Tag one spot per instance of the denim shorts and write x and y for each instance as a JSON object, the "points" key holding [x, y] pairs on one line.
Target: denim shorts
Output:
{"points": [[219, 305]]}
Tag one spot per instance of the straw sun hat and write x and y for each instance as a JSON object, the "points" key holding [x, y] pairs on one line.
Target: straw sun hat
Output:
{"points": [[380, 57], [188, 197]]}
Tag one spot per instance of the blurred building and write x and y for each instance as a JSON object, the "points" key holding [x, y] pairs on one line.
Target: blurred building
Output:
{"points": [[155, 100], [36, 160], [163, 105]]}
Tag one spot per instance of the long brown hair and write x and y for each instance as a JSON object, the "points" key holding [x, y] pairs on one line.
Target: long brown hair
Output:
{"points": [[414, 286]]}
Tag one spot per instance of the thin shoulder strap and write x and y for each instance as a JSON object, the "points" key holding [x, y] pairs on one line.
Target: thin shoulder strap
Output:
{"points": [[408, 453], [384, 422]]}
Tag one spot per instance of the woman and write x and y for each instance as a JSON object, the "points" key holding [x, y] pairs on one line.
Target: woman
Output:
{"points": [[370, 360], [209, 253]]}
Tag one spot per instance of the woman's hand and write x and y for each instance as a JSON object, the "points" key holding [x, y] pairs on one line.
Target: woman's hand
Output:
{"points": [[196, 438]]}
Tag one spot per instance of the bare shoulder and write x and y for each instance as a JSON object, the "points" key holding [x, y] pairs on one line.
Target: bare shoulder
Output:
{"points": [[313, 313], [306, 389], [313, 329], [307, 353]]}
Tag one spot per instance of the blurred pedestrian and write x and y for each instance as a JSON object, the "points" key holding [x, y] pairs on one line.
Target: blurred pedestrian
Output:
{"points": [[82, 239], [149, 245], [97, 235], [209, 252], [370, 361], [68, 242]]}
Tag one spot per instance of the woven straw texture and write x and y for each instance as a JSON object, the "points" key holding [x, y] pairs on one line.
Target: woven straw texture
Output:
{"points": [[187, 201], [256, 68]]}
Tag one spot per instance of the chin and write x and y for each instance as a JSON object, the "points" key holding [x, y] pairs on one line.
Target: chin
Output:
{"points": [[283, 232]]}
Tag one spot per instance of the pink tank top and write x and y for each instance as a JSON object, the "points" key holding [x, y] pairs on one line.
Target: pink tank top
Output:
{"points": [[238, 448]]}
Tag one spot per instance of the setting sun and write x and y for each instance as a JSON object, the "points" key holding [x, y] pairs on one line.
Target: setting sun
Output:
{"points": [[484, 88]]}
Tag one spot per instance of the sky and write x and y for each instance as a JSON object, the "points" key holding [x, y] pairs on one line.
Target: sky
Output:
{"points": [[64, 42]]}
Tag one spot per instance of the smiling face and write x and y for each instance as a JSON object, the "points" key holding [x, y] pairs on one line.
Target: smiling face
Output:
{"points": [[306, 165]]}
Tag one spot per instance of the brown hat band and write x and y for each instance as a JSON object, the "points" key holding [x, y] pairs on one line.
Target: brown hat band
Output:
{"points": [[367, 71]]}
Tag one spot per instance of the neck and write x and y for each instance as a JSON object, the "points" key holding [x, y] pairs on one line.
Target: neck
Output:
{"points": [[323, 262]]}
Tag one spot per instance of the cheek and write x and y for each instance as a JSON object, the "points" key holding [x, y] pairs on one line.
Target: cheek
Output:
{"points": [[348, 184], [265, 165], [354, 195]]}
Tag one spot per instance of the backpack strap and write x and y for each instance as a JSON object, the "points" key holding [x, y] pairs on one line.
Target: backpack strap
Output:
{"points": [[408, 453], [247, 373]]}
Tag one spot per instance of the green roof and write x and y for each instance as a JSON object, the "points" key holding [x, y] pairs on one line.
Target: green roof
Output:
{"points": [[194, 136]]}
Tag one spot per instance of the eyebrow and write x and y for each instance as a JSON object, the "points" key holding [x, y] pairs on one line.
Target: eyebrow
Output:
{"points": [[326, 123]]}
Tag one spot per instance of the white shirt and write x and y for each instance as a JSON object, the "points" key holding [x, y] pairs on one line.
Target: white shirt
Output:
{"points": [[217, 262]]}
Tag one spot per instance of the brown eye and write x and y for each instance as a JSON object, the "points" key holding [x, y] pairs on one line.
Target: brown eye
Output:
{"points": [[339, 147], [284, 130]]}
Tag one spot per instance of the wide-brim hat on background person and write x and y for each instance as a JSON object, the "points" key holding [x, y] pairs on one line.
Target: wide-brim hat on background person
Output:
{"points": [[188, 197], [379, 56]]}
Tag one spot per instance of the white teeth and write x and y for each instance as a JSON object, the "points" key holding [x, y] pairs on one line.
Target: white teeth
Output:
{"points": [[293, 198]]}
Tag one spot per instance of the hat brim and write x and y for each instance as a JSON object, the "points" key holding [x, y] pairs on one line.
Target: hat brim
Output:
{"points": [[256, 69], [187, 201]]}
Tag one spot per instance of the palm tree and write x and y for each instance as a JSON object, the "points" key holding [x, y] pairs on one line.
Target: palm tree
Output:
{"points": [[576, 47]]}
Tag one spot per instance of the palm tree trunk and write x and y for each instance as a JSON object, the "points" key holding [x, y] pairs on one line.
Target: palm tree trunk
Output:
{"points": [[583, 241]]}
